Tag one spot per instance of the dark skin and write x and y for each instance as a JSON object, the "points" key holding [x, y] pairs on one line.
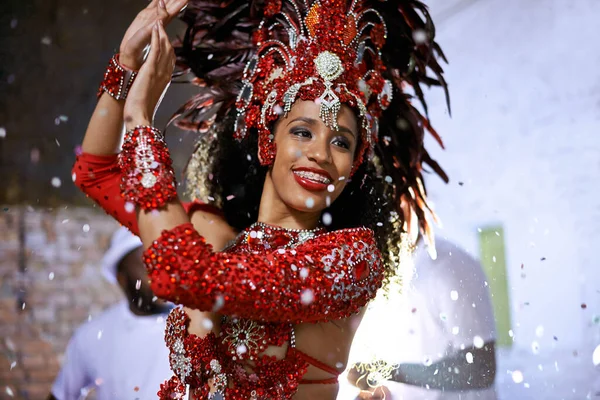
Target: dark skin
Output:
{"points": [[133, 280]]}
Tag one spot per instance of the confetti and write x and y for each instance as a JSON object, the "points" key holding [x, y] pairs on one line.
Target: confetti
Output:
{"points": [[596, 356], [388, 179], [99, 335], [535, 347], [455, 330], [307, 297], [583, 306], [13, 23], [454, 295], [73, 176], [51, 276], [57, 142], [13, 364], [129, 207], [56, 182], [207, 323], [9, 391], [85, 228], [327, 219], [2, 132], [310, 202], [517, 376], [478, 342], [539, 331], [138, 284], [469, 357], [330, 188], [47, 40]]}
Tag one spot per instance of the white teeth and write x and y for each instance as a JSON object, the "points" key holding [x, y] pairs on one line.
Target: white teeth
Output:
{"points": [[313, 177]]}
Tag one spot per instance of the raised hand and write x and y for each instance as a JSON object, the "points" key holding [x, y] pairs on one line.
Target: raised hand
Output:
{"points": [[152, 80], [139, 33]]}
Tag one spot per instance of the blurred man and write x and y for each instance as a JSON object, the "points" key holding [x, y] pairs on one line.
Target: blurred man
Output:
{"points": [[120, 353], [446, 333]]}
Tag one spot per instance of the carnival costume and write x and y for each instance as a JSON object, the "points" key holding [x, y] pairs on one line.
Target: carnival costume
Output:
{"points": [[256, 61]]}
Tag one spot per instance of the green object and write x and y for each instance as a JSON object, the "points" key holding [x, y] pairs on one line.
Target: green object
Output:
{"points": [[493, 259]]}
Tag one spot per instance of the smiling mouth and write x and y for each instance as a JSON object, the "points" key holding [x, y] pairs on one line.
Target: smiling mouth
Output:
{"points": [[312, 176]]}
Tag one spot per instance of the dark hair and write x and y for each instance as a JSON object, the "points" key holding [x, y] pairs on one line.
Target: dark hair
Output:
{"points": [[238, 178]]}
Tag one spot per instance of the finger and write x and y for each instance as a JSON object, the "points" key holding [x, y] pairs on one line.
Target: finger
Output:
{"points": [[167, 53], [154, 55], [161, 10], [174, 7]]}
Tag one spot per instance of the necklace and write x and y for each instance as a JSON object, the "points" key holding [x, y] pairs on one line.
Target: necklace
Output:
{"points": [[276, 237]]}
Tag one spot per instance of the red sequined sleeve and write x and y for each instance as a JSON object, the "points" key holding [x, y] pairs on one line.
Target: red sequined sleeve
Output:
{"points": [[328, 277], [99, 177]]}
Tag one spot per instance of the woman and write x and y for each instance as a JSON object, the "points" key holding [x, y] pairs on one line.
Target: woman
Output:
{"points": [[323, 176]]}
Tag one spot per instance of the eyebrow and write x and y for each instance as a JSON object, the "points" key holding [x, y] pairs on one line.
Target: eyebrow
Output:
{"points": [[312, 121]]}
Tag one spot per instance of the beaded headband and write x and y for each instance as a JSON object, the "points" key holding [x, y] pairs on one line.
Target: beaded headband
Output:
{"points": [[331, 56]]}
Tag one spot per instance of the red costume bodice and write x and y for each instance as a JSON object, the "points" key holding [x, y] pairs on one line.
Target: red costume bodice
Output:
{"points": [[266, 281]]}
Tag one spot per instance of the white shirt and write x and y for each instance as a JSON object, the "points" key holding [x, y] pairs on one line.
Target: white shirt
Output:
{"points": [[122, 355], [445, 307]]}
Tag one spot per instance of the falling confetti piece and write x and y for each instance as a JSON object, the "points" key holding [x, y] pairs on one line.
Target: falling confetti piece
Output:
{"points": [[583, 306], [9, 392], [13, 23], [539, 331], [330, 188], [47, 40], [517, 376], [304, 273], [207, 323], [461, 183], [543, 259], [596, 356], [129, 207], [99, 335], [136, 389], [327, 219], [443, 317], [427, 361], [64, 221], [478, 342], [2, 132], [455, 330], [13, 364], [219, 303], [230, 197], [535, 347], [85, 228], [57, 142], [310, 202], [138, 284], [454, 295], [307, 297], [51, 276], [419, 36], [56, 182], [469, 357]]}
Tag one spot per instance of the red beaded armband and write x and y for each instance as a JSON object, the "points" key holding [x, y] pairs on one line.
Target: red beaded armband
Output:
{"points": [[117, 79], [147, 176]]}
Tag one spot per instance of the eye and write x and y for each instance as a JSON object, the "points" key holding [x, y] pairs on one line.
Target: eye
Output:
{"points": [[342, 142], [301, 132]]}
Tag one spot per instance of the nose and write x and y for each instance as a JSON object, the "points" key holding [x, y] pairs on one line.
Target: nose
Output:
{"points": [[319, 151]]}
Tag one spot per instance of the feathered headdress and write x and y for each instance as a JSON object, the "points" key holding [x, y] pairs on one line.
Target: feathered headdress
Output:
{"points": [[258, 58]]}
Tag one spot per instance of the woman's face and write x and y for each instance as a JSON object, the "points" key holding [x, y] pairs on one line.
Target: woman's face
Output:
{"points": [[313, 162]]}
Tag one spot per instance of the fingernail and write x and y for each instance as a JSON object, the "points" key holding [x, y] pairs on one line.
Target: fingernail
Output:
{"points": [[161, 3]]}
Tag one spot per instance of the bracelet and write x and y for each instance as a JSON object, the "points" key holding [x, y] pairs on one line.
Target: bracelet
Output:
{"points": [[147, 176], [117, 79]]}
